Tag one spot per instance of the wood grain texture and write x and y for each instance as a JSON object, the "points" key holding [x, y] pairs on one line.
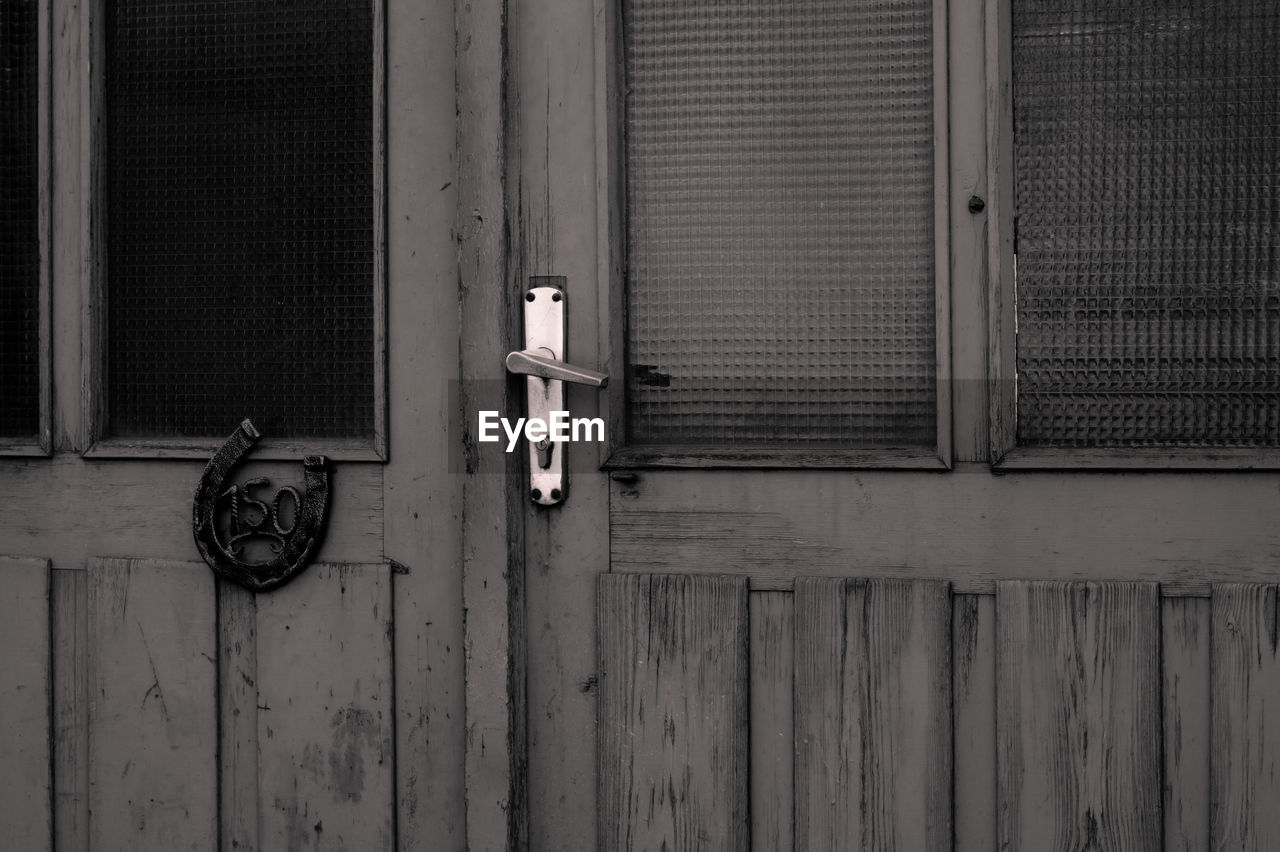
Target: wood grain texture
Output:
{"points": [[67, 220], [325, 738], [553, 55], [872, 714], [70, 709], [421, 489], [1246, 727], [1187, 731], [143, 508], [26, 804], [942, 233], [967, 118], [237, 718], [973, 655], [1173, 529], [772, 726], [1078, 680], [672, 725], [153, 726], [1001, 322], [493, 485]]}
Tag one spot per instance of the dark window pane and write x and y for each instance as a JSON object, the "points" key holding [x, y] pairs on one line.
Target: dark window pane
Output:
{"points": [[780, 222], [1147, 140], [19, 232], [240, 217]]}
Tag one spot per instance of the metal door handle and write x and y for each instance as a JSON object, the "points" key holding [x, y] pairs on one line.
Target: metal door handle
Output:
{"points": [[544, 364]]}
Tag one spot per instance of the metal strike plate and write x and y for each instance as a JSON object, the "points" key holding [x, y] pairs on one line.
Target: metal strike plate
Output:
{"points": [[544, 325]]}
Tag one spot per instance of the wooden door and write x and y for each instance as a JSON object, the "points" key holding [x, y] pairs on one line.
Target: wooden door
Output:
{"points": [[979, 644], [146, 704]]}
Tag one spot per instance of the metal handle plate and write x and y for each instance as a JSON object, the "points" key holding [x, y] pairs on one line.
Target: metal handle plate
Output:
{"points": [[542, 364]]}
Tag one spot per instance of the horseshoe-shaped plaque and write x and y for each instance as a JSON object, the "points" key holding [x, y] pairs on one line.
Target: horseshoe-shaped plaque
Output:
{"points": [[292, 547]]}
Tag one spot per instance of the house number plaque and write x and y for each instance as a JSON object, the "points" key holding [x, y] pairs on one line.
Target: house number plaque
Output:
{"points": [[256, 515]]}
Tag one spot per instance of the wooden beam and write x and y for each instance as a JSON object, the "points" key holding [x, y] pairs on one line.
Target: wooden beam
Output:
{"points": [[492, 494], [421, 487]]}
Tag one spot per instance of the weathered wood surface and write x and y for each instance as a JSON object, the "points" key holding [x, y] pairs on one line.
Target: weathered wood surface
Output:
{"points": [[1079, 704], [325, 739], [772, 725], [672, 729], [421, 489], [1183, 529], [153, 706], [26, 801], [143, 508], [552, 54], [872, 714], [492, 492], [70, 709], [966, 117], [1185, 660], [238, 717], [1246, 718], [973, 655]]}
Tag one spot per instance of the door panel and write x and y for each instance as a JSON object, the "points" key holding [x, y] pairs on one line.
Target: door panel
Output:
{"points": [[26, 801], [1078, 695], [324, 711], [673, 698], [872, 696], [153, 699], [217, 770], [894, 722]]}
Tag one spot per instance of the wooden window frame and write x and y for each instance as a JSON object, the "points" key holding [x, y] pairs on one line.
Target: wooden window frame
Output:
{"points": [[611, 206], [1006, 454], [95, 285], [41, 444]]}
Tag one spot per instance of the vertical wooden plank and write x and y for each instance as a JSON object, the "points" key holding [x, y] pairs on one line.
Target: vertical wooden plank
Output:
{"points": [[1079, 702], [238, 718], [421, 489], [672, 729], [493, 488], [1246, 726], [325, 735], [973, 652], [1001, 352], [26, 818], [1185, 661], [772, 729], [68, 231], [152, 706], [872, 714], [70, 709], [967, 116]]}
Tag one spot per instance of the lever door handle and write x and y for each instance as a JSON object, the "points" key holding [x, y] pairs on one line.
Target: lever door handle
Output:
{"points": [[543, 364]]}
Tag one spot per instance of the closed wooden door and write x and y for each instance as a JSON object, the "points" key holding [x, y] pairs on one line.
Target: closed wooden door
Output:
{"points": [[234, 211], [837, 580]]}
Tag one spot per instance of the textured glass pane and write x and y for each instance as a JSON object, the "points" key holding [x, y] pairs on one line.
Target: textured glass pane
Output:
{"points": [[240, 217], [19, 234], [1147, 140], [780, 222]]}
